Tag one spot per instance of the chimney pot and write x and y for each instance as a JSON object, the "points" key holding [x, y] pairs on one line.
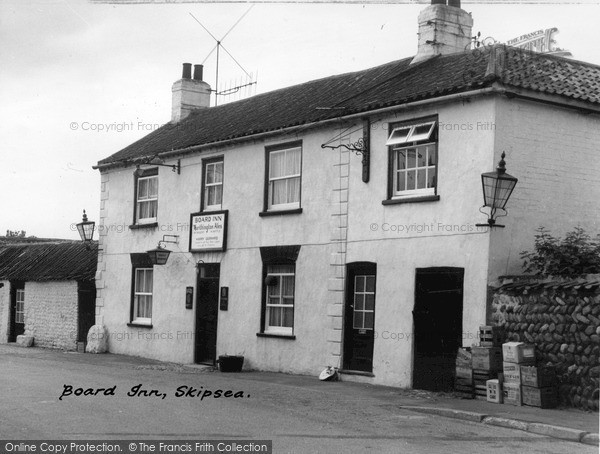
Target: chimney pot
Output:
{"points": [[198, 69], [189, 94], [444, 29], [187, 71]]}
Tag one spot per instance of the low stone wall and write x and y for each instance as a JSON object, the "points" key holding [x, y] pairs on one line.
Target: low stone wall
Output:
{"points": [[562, 319]]}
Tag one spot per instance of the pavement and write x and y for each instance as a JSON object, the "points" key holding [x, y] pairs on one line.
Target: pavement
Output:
{"points": [[567, 424], [563, 423]]}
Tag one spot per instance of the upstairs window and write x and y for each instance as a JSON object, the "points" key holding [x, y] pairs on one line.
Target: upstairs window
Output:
{"points": [[212, 184], [146, 203], [284, 172], [413, 159]]}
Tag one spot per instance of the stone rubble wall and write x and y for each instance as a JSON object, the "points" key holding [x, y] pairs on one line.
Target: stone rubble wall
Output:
{"points": [[51, 314], [564, 325]]}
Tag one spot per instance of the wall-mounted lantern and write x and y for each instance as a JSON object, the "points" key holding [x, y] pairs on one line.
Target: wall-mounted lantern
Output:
{"points": [[497, 188], [86, 229], [160, 255]]}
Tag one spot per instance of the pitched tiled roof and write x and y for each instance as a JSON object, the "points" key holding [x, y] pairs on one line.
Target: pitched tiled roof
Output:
{"points": [[47, 261], [387, 85]]}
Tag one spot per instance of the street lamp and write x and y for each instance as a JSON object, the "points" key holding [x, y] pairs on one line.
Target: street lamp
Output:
{"points": [[497, 188], [86, 229], [160, 255]]}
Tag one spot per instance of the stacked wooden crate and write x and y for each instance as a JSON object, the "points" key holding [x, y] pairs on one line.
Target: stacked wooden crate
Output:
{"points": [[539, 386], [463, 384], [487, 359], [515, 355]]}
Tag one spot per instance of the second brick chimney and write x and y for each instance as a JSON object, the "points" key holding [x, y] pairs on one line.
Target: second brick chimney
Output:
{"points": [[444, 28], [189, 93]]}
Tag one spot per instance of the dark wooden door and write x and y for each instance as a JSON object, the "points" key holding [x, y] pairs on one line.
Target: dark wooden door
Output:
{"points": [[86, 299], [359, 318], [437, 318], [17, 310], [207, 312]]}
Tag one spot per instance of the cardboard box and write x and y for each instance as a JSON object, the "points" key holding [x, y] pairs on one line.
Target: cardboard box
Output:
{"points": [[494, 391], [511, 373], [464, 357], [487, 358], [511, 394], [540, 397], [465, 374], [538, 377], [518, 352], [491, 336]]}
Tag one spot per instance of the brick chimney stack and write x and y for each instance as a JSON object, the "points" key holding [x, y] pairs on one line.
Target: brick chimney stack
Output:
{"points": [[444, 28], [189, 93]]}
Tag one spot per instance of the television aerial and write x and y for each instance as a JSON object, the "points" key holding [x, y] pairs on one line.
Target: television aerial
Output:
{"points": [[218, 47]]}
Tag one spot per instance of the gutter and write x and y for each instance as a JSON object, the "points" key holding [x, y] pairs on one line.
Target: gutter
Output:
{"points": [[295, 129]]}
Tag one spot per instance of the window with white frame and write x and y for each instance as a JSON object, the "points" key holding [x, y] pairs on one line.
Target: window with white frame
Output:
{"points": [[147, 199], [142, 296], [284, 178], [279, 306], [413, 159], [213, 184], [364, 302], [20, 306]]}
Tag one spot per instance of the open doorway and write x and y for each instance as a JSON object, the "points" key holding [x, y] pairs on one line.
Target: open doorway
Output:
{"points": [[437, 317]]}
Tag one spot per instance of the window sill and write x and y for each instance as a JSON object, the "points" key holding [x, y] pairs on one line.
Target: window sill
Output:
{"points": [[150, 225], [356, 372], [139, 325], [415, 199], [279, 336], [280, 212]]}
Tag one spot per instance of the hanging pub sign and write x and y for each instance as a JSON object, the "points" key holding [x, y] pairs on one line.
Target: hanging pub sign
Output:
{"points": [[208, 231]]}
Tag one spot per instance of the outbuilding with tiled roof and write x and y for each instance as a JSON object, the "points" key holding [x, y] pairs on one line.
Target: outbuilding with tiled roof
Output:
{"points": [[47, 291]]}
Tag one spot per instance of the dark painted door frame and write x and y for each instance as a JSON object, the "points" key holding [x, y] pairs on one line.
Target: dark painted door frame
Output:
{"points": [[437, 326], [207, 313], [15, 329], [86, 308], [358, 343]]}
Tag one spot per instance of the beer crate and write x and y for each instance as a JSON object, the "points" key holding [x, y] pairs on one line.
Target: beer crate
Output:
{"points": [[480, 379], [540, 397], [464, 389], [464, 357], [511, 393], [487, 358], [484, 375], [465, 374], [511, 372], [491, 336], [481, 392], [519, 353], [538, 377], [494, 391]]}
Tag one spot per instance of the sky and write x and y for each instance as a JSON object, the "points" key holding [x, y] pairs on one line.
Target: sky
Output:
{"points": [[81, 80]]}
